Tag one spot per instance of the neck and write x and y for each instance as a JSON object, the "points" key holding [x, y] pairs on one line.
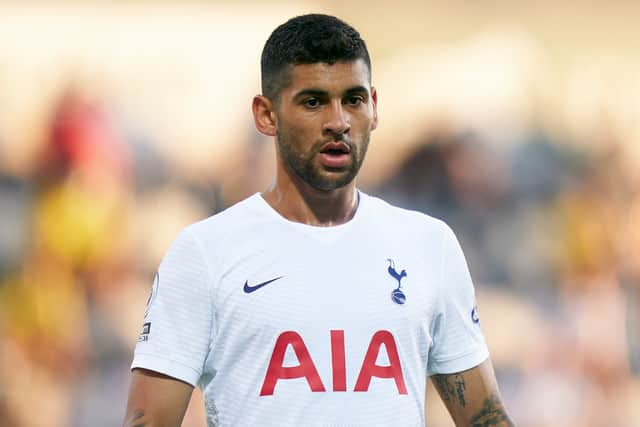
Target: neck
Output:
{"points": [[299, 202]]}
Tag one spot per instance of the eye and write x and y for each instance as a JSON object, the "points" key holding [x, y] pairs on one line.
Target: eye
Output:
{"points": [[355, 100], [311, 103]]}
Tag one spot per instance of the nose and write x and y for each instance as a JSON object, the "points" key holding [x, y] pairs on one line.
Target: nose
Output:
{"points": [[337, 120]]}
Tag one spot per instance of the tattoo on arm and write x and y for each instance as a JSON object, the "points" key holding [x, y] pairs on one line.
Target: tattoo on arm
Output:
{"points": [[137, 414], [451, 388], [491, 414], [443, 387], [460, 389]]}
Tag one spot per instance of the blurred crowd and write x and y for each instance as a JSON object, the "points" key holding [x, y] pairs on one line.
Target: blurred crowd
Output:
{"points": [[549, 231]]}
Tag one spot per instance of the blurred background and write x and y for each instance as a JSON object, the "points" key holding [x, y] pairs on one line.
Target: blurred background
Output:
{"points": [[516, 122]]}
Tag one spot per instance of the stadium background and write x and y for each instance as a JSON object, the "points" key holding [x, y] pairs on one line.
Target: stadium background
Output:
{"points": [[517, 122]]}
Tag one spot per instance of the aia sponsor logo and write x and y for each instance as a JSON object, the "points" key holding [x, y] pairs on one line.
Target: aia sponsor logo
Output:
{"points": [[307, 368]]}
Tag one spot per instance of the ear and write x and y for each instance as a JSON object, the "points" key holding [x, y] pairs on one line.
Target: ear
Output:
{"points": [[374, 102], [264, 115]]}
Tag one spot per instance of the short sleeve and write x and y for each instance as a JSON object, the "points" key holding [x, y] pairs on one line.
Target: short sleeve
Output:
{"points": [[176, 332], [457, 340]]}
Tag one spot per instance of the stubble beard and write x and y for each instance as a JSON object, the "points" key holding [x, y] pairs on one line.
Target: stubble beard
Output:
{"points": [[302, 164]]}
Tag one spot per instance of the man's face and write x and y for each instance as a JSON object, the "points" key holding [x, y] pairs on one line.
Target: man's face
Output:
{"points": [[323, 121]]}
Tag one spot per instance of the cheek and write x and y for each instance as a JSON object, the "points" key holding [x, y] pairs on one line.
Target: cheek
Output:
{"points": [[363, 127], [374, 123], [363, 119], [297, 132]]}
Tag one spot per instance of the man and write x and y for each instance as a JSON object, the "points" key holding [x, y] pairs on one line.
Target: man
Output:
{"points": [[313, 303]]}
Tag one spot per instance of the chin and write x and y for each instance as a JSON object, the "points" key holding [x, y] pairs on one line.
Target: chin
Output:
{"points": [[331, 184]]}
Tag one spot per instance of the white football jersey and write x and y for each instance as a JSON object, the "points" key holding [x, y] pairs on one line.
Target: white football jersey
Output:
{"points": [[286, 324]]}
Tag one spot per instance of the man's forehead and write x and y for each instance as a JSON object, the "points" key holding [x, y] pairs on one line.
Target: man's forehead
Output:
{"points": [[329, 75]]}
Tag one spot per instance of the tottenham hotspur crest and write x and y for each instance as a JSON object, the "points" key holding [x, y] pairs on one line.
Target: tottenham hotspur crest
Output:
{"points": [[397, 295]]}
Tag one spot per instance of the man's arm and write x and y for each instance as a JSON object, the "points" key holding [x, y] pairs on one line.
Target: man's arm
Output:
{"points": [[472, 397], [156, 400]]}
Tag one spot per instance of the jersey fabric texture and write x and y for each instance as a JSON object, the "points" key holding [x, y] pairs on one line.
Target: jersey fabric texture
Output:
{"points": [[286, 324]]}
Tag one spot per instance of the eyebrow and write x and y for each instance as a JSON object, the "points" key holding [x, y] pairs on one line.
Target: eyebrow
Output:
{"points": [[310, 92], [323, 93], [357, 89]]}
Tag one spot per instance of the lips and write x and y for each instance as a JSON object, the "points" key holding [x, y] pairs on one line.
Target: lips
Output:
{"points": [[336, 147], [335, 154]]}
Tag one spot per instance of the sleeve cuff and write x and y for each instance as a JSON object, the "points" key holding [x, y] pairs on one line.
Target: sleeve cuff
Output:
{"points": [[167, 367], [459, 364]]}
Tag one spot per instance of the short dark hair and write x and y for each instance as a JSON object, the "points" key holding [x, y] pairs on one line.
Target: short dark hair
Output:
{"points": [[308, 39]]}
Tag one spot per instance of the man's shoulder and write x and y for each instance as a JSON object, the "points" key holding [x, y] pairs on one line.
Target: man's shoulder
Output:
{"points": [[383, 210], [229, 220]]}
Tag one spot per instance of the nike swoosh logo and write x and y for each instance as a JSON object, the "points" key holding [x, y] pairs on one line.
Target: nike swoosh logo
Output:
{"points": [[248, 289]]}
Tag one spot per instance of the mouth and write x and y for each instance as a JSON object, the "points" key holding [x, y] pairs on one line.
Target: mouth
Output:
{"points": [[335, 155], [335, 148]]}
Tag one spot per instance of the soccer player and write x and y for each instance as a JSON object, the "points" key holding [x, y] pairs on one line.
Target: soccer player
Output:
{"points": [[312, 303]]}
